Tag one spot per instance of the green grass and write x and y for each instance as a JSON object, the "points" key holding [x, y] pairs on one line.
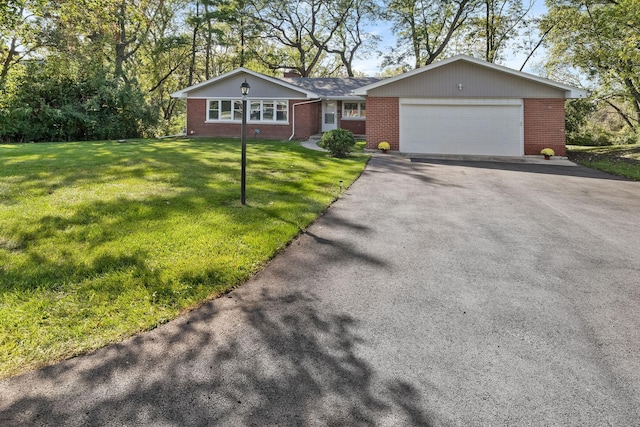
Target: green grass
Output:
{"points": [[99, 241], [621, 160]]}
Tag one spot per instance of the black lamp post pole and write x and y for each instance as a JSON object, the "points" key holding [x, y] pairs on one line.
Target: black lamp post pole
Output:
{"points": [[243, 136], [243, 178]]}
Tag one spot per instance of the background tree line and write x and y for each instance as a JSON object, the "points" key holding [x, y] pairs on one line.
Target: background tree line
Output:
{"points": [[100, 69]]}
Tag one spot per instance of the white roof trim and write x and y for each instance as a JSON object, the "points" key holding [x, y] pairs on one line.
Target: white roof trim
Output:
{"points": [[184, 92], [571, 92]]}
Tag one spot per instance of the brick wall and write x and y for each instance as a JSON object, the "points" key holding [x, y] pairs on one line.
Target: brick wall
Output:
{"points": [[307, 119], [383, 122], [544, 125], [355, 126], [307, 122]]}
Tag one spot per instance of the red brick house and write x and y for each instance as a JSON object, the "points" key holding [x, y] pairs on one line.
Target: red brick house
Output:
{"points": [[458, 106]]}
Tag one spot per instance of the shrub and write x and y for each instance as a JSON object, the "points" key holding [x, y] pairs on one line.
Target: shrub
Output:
{"points": [[626, 137], [49, 105], [339, 142]]}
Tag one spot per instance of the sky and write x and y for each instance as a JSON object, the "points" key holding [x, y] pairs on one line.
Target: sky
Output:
{"points": [[372, 65]]}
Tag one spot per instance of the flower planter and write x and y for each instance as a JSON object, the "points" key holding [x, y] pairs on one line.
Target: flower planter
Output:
{"points": [[547, 153], [384, 147]]}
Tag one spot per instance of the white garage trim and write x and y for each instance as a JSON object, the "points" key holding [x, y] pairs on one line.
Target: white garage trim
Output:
{"points": [[460, 101], [485, 127]]}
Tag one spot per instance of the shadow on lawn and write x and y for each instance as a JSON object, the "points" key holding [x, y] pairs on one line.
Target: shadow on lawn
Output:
{"points": [[254, 357], [51, 167], [202, 182]]}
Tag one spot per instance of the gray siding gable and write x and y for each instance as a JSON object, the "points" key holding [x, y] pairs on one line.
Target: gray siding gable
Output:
{"points": [[477, 82], [228, 86], [463, 76]]}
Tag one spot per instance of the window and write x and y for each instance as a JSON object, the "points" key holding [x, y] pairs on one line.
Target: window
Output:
{"points": [[259, 110], [255, 111], [237, 110], [354, 110], [214, 110], [225, 110], [267, 111], [282, 111]]}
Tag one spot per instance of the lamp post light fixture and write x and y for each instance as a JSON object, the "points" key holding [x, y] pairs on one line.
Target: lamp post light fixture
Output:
{"points": [[244, 88]]}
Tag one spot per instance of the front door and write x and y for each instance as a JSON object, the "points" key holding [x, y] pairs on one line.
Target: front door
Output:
{"points": [[329, 115]]}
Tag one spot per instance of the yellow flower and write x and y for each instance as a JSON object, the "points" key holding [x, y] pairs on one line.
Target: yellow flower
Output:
{"points": [[384, 146], [547, 152]]}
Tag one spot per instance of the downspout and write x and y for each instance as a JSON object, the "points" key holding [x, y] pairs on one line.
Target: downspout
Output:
{"points": [[293, 113]]}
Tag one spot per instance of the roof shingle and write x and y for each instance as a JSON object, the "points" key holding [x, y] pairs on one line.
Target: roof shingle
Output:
{"points": [[331, 87]]}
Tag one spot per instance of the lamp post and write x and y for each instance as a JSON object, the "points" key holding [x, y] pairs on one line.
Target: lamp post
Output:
{"points": [[244, 88]]}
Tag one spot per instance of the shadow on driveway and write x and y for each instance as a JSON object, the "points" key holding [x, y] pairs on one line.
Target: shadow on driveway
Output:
{"points": [[251, 358]]}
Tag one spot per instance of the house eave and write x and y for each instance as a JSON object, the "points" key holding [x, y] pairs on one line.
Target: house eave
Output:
{"points": [[345, 98]]}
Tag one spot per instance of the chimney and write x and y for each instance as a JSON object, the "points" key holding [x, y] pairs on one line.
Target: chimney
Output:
{"points": [[291, 74]]}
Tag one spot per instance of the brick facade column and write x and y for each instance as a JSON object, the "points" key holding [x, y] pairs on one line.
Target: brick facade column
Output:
{"points": [[383, 122], [544, 125]]}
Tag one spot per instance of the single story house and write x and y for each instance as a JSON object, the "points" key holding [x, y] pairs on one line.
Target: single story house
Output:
{"points": [[457, 106]]}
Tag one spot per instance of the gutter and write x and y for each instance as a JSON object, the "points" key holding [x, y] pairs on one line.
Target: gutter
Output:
{"points": [[293, 113]]}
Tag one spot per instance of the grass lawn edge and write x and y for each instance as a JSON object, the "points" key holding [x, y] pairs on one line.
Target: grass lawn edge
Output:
{"points": [[217, 291]]}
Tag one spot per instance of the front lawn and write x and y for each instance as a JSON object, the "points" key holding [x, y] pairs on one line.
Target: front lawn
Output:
{"points": [[101, 240], [621, 160]]}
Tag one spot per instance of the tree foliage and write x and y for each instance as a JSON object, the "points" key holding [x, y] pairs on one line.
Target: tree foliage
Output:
{"points": [[54, 104], [128, 56], [601, 39], [59, 59], [496, 24], [425, 28], [428, 30]]}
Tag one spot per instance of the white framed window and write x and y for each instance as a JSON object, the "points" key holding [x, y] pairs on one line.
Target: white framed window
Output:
{"points": [[265, 111], [354, 110], [224, 109], [214, 110], [282, 111]]}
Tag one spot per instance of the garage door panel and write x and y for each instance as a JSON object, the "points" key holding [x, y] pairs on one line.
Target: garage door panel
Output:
{"points": [[461, 129]]}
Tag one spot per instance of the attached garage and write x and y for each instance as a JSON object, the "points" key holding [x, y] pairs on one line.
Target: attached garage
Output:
{"points": [[466, 106], [461, 126]]}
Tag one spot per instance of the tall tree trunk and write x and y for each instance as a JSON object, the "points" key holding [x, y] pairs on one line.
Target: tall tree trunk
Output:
{"points": [[207, 58], [121, 41], [487, 30], [194, 45], [635, 102], [242, 41], [6, 65]]}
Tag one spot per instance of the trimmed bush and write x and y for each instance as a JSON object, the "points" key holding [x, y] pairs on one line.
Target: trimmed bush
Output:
{"points": [[339, 142]]}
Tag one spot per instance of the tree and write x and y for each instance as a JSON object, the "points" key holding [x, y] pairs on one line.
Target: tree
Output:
{"points": [[308, 35], [496, 23], [22, 32], [350, 37], [424, 28], [601, 39], [112, 33], [297, 27], [55, 102]]}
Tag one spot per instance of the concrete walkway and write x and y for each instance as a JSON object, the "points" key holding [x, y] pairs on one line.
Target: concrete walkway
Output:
{"points": [[436, 293], [312, 144]]}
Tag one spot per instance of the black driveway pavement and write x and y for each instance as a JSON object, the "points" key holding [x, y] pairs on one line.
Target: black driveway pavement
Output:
{"points": [[432, 293]]}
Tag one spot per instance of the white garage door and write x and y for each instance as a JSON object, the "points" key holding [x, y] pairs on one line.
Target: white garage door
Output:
{"points": [[466, 127]]}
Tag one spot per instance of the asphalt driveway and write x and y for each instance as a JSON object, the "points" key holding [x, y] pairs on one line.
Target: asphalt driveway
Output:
{"points": [[432, 293]]}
